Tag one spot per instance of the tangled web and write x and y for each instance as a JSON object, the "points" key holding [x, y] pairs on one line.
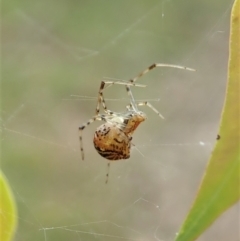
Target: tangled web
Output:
{"points": [[54, 57]]}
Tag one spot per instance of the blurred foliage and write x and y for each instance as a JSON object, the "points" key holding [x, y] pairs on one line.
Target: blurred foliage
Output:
{"points": [[8, 219], [219, 189]]}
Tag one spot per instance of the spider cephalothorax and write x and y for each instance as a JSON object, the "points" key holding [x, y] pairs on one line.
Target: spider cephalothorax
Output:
{"points": [[132, 119], [112, 140]]}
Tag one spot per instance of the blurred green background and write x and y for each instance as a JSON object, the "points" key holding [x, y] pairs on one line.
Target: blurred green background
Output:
{"points": [[54, 55]]}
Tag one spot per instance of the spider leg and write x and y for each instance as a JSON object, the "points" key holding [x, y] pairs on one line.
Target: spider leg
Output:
{"points": [[101, 99], [132, 100], [129, 107], [145, 103], [84, 125], [133, 103], [153, 66], [108, 169]]}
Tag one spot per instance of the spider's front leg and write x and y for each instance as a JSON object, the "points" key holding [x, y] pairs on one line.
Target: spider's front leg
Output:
{"points": [[153, 66]]}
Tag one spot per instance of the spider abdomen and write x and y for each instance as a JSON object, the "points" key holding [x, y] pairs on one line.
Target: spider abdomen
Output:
{"points": [[111, 142]]}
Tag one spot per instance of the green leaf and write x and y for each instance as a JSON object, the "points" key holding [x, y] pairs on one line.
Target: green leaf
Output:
{"points": [[219, 189], [8, 221]]}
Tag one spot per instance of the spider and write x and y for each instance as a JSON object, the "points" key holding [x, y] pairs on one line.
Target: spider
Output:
{"points": [[112, 140]]}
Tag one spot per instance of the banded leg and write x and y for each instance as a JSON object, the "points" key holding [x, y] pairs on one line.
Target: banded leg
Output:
{"points": [[145, 103], [101, 98], [108, 169], [153, 66], [132, 100], [84, 125]]}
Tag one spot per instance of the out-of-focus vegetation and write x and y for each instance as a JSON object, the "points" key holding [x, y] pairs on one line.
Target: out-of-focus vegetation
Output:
{"points": [[220, 186], [8, 217]]}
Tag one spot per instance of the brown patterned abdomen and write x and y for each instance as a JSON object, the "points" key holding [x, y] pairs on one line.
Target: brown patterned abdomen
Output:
{"points": [[111, 142]]}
